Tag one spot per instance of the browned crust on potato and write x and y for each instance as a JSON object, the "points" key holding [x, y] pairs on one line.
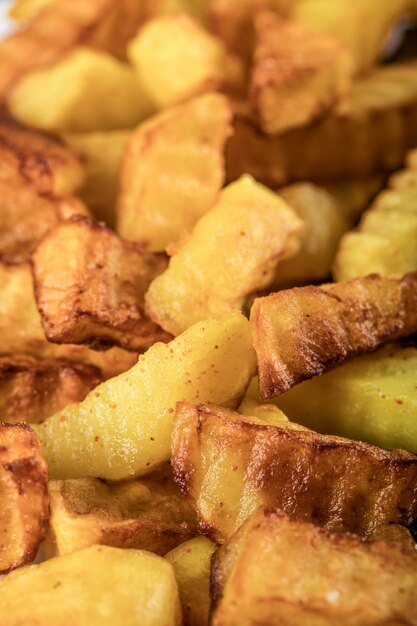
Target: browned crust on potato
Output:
{"points": [[23, 490], [98, 298], [339, 484], [302, 332], [32, 389]]}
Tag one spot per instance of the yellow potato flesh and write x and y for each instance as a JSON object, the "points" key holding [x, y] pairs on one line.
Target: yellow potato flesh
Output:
{"points": [[123, 427]]}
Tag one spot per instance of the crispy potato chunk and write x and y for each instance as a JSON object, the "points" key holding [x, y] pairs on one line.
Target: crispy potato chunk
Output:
{"points": [[102, 154], [98, 586], [297, 75], [305, 331], [89, 77], [93, 291], [372, 398], [148, 514], [384, 241], [361, 25], [42, 161], [203, 279], [21, 329], [24, 508], [324, 225], [229, 465], [32, 389], [279, 572], [192, 562], [371, 130], [173, 171], [123, 428], [25, 217], [176, 59]]}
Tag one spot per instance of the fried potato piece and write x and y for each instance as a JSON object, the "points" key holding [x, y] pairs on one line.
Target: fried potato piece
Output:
{"points": [[146, 514], [173, 171], [32, 389], [279, 572], [229, 465], [102, 154], [176, 59], [371, 130], [203, 278], [98, 586], [42, 161], [192, 562], [89, 77], [24, 508], [93, 291], [372, 399], [324, 225], [384, 241], [21, 329], [26, 216], [123, 428], [361, 25], [297, 75], [305, 331]]}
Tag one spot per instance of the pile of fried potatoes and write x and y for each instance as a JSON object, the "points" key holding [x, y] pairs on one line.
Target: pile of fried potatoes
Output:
{"points": [[208, 313]]}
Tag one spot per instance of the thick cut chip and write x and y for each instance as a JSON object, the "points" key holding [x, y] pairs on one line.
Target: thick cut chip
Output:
{"points": [[384, 241], [324, 225], [173, 171], [192, 563], [123, 428], [26, 216], [279, 572], [232, 252], [297, 75], [93, 290], [32, 389], [362, 25], [42, 161], [102, 154], [302, 332], [176, 59], [372, 398], [90, 90], [229, 465], [148, 514], [21, 329], [24, 508], [98, 586], [371, 130]]}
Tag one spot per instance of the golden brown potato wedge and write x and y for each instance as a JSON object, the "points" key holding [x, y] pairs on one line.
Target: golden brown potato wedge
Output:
{"points": [[148, 514], [93, 290], [32, 389], [26, 216], [279, 572], [204, 279], [297, 75], [24, 507], [371, 130], [21, 329], [42, 161], [123, 427], [228, 465], [98, 586], [324, 225], [102, 154], [192, 564], [173, 171], [305, 331]]}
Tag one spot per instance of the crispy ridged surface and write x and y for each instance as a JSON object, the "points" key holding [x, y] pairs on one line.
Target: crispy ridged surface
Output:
{"points": [[228, 465], [302, 332]]}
